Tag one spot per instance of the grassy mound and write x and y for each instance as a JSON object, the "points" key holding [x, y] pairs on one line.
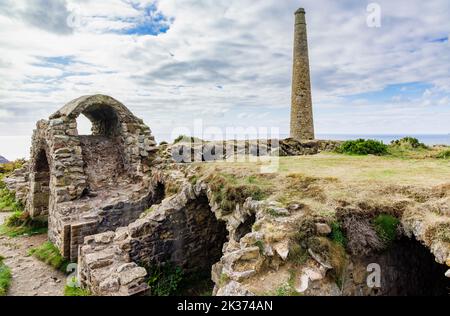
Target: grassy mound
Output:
{"points": [[363, 147], [228, 190], [408, 143], [444, 154]]}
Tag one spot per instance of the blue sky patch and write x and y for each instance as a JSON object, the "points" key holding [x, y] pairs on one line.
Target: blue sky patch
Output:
{"points": [[440, 40], [404, 90], [151, 21], [55, 61]]}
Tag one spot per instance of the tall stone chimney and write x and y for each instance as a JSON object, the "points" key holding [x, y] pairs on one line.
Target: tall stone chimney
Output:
{"points": [[302, 125]]}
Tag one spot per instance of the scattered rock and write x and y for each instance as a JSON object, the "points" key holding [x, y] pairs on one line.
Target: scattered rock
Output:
{"points": [[323, 229]]}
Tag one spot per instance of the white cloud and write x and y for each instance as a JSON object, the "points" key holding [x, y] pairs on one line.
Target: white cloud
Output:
{"points": [[243, 47]]}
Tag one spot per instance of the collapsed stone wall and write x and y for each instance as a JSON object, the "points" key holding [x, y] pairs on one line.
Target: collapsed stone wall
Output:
{"points": [[259, 250], [186, 230], [222, 150]]}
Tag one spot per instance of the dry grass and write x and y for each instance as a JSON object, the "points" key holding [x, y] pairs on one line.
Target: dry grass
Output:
{"points": [[326, 179]]}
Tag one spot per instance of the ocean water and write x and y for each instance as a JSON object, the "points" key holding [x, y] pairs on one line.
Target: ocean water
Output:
{"points": [[428, 139]]}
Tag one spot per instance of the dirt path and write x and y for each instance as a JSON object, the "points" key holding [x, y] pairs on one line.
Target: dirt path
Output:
{"points": [[31, 277]]}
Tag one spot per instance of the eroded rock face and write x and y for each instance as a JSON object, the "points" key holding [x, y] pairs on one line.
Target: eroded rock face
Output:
{"points": [[88, 184]]}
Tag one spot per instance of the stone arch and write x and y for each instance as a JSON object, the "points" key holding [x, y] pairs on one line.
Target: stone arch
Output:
{"points": [[89, 183]]}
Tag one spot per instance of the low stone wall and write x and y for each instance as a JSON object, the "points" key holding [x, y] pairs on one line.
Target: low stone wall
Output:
{"points": [[98, 215], [221, 150]]}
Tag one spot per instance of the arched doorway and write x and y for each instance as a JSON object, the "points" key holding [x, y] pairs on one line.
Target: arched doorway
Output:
{"points": [[40, 189]]}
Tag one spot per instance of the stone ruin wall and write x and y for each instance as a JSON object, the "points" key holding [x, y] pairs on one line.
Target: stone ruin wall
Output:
{"points": [[60, 186], [179, 231], [186, 230]]}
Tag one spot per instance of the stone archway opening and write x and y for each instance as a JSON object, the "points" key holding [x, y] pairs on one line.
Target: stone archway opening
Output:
{"points": [[84, 125], [102, 149], [190, 238], [40, 196]]}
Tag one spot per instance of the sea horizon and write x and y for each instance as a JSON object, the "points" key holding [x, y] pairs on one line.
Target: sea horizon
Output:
{"points": [[428, 139]]}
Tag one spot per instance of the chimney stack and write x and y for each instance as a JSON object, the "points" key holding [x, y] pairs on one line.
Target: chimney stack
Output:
{"points": [[302, 124]]}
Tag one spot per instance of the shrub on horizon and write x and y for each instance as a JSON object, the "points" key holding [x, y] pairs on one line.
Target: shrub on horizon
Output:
{"points": [[363, 147]]}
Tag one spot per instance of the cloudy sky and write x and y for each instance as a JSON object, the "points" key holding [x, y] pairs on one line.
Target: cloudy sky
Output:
{"points": [[226, 62]]}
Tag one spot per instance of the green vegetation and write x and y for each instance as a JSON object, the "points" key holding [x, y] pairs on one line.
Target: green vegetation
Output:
{"points": [[20, 223], [337, 235], [5, 277], [408, 143], [363, 147], [260, 245], [224, 278], [444, 154], [288, 288], [193, 180], [386, 227], [298, 255], [164, 280], [229, 190], [48, 253], [149, 210], [7, 168], [75, 290], [8, 201]]}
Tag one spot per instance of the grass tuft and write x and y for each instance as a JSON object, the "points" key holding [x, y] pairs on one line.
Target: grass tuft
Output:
{"points": [[386, 227], [20, 223], [8, 202], [229, 190], [5, 277], [48, 253], [444, 154], [75, 291], [337, 235]]}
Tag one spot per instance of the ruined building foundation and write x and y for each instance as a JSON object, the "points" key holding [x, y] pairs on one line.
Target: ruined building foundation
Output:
{"points": [[302, 125]]}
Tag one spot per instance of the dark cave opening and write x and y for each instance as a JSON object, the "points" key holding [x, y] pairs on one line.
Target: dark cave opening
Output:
{"points": [[245, 227], [409, 269], [190, 238]]}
